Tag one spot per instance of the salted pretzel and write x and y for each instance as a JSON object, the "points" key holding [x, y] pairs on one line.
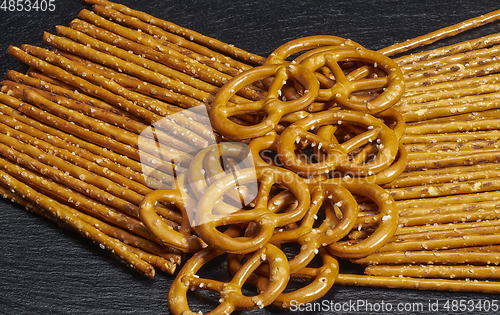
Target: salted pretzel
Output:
{"points": [[272, 105], [231, 297], [183, 239], [321, 279], [383, 233], [337, 155], [210, 214], [344, 86]]}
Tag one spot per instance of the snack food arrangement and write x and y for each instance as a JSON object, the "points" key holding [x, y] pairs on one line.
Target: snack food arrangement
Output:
{"points": [[170, 148]]}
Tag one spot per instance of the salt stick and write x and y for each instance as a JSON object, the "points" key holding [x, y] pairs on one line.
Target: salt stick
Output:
{"points": [[431, 257], [454, 126], [447, 161], [20, 131], [463, 58], [460, 74], [481, 42], [450, 110], [128, 62], [490, 229], [65, 173], [138, 85], [77, 200], [418, 283], [158, 109], [82, 227], [17, 90], [428, 227], [170, 257], [189, 65], [84, 115], [492, 135], [422, 231], [451, 199], [148, 54], [193, 36], [440, 90], [95, 137], [465, 100], [174, 42], [450, 68], [432, 271], [95, 153], [440, 154], [35, 74], [482, 115], [77, 96], [453, 146]]}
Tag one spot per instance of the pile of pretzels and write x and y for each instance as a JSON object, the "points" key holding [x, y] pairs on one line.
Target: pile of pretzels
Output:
{"points": [[161, 144]]}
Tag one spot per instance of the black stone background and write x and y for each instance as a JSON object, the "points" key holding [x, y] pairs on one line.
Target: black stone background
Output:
{"points": [[45, 269]]}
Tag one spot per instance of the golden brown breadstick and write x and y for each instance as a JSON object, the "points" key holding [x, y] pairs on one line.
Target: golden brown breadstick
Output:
{"points": [[84, 228], [451, 49], [432, 271], [449, 110], [457, 136], [418, 283], [174, 42], [35, 74], [212, 43]]}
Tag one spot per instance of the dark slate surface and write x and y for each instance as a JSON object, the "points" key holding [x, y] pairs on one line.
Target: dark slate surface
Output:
{"points": [[45, 269]]}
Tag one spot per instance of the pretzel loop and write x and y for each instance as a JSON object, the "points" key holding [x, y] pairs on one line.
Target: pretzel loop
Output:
{"points": [[210, 215], [183, 239], [337, 154], [388, 222], [272, 106], [231, 297], [345, 85]]}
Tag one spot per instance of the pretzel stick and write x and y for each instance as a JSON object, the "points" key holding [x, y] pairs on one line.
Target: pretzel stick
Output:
{"points": [[437, 35], [453, 146], [35, 74], [121, 60], [189, 65], [97, 154], [448, 103], [170, 257], [450, 110], [186, 33], [93, 89], [490, 229], [79, 179], [84, 228], [463, 58], [158, 109], [426, 271], [458, 137], [174, 42], [70, 93], [115, 41], [466, 159], [430, 257], [98, 115], [138, 85], [455, 126], [71, 197], [418, 283], [67, 109]]}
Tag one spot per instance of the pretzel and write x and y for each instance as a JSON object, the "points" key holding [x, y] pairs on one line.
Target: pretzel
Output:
{"points": [[337, 154], [322, 279], [347, 84], [230, 292], [280, 54], [184, 32], [419, 283], [207, 221], [182, 239], [464, 159], [35, 74], [387, 224], [271, 105], [116, 247], [451, 272]]}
